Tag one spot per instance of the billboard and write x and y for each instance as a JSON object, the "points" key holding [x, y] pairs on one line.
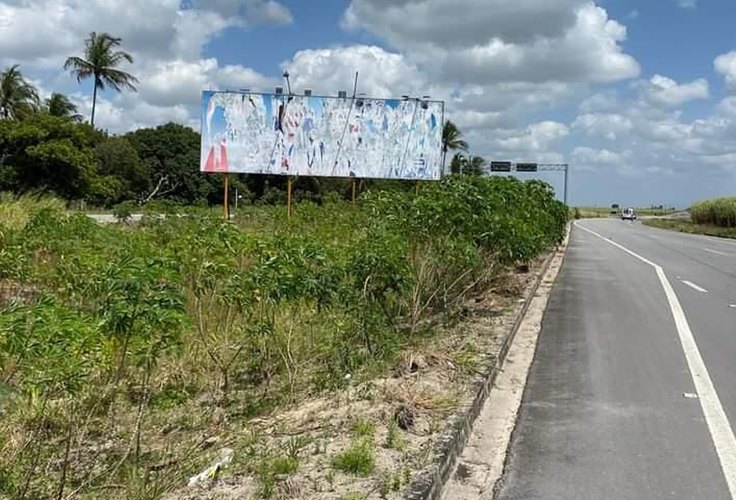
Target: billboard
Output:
{"points": [[321, 136]]}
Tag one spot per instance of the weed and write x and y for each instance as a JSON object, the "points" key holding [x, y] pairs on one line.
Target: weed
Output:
{"points": [[394, 439], [364, 428], [391, 482], [358, 460], [355, 496], [295, 444], [284, 465]]}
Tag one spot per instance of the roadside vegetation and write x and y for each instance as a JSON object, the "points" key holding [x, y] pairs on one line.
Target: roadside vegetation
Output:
{"points": [[720, 212], [715, 217], [112, 336], [132, 355]]}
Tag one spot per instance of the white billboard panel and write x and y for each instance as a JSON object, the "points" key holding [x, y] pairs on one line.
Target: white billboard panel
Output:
{"points": [[321, 136]]}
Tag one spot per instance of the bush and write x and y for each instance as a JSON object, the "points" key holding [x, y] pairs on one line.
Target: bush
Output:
{"points": [[358, 460], [124, 211]]}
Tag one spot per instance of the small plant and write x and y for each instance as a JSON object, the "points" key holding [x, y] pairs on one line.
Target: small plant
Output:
{"points": [[394, 439], [123, 212], [355, 496], [391, 482], [284, 465], [364, 428], [269, 468], [358, 460]]}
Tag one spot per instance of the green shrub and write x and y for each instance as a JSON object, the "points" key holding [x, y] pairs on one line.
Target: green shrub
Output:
{"points": [[358, 460]]}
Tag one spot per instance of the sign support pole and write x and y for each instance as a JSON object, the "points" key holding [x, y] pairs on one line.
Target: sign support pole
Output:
{"points": [[226, 198], [289, 182], [567, 169], [354, 186]]}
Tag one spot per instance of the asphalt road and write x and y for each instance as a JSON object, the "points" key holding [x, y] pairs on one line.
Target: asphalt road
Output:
{"points": [[619, 404]]}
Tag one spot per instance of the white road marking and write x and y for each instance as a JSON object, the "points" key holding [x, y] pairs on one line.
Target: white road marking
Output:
{"points": [[717, 252], [694, 286], [715, 416]]}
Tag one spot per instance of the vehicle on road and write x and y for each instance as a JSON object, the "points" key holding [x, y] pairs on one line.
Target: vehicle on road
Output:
{"points": [[628, 214]]}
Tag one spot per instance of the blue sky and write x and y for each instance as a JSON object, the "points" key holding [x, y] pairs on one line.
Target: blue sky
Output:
{"points": [[639, 97]]}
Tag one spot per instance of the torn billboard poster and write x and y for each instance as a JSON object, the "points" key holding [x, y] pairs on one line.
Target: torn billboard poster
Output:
{"points": [[321, 136]]}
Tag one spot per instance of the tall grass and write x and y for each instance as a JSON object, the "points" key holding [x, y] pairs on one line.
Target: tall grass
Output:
{"points": [[717, 212], [16, 210]]}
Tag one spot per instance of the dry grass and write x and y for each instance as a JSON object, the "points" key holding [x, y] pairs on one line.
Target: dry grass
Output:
{"points": [[15, 211]]}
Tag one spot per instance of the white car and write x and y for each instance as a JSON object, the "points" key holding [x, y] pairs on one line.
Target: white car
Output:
{"points": [[628, 214]]}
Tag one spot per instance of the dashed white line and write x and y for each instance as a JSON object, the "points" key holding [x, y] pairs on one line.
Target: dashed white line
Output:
{"points": [[715, 416], [716, 252], [694, 286]]}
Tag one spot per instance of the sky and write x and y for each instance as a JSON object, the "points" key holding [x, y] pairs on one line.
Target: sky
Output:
{"points": [[639, 97]]}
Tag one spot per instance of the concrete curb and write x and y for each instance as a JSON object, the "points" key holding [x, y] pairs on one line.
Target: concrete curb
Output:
{"points": [[429, 485]]}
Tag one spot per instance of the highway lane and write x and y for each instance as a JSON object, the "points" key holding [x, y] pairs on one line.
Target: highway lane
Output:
{"points": [[611, 408]]}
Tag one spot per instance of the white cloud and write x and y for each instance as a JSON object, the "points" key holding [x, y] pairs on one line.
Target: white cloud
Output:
{"points": [[382, 73], [536, 137], [464, 23], [725, 64], [127, 112], [608, 125], [529, 40], [584, 155], [165, 37], [149, 28], [687, 4], [663, 91], [168, 83], [727, 107], [601, 101], [588, 52]]}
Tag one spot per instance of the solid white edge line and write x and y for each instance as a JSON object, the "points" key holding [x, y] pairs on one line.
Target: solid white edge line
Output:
{"points": [[715, 416], [716, 252], [694, 286]]}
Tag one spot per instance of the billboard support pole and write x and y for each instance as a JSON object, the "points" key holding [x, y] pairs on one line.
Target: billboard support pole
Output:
{"points": [[354, 183], [289, 182], [226, 198], [416, 191]]}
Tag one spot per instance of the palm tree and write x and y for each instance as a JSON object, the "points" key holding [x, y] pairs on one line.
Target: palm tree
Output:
{"points": [[18, 98], [474, 165], [60, 105], [100, 62], [451, 140]]}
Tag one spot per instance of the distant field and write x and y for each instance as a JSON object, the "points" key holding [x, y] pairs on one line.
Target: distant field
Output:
{"points": [[597, 212], [685, 226]]}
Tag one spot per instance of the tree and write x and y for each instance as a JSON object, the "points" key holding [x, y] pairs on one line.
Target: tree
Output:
{"points": [[100, 62], [467, 165], [172, 154], [452, 140], [122, 174], [47, 154], [60, 105], [474, 165], [18, 98]]}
